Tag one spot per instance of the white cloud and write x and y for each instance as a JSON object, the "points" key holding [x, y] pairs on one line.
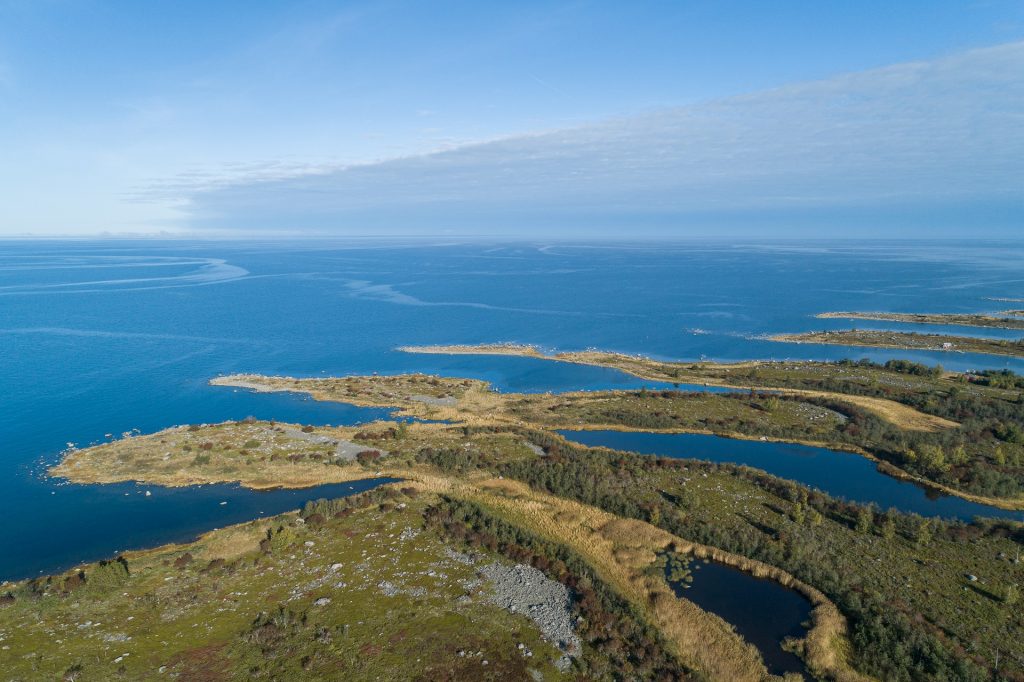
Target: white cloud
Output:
{"points": [[951, 129]]}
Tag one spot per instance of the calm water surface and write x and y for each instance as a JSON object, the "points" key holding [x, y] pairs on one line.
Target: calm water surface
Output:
{"points": [[763, 612]]}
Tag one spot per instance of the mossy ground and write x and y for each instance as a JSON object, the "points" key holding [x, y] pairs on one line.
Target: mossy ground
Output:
{"points": [[221, 608]]}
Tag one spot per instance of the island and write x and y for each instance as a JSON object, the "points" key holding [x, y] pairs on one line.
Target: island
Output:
{"points": [[907, 341], [495, 548], [1007, 319]]}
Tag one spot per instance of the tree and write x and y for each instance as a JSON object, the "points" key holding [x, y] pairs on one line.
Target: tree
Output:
{"points": [[924, 533], [865, 520], [932, 457], [889, 527]]}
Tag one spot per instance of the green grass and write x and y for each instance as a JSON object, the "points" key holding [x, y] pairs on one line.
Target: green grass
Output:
{"points": [[767, 415], [254, 617]]}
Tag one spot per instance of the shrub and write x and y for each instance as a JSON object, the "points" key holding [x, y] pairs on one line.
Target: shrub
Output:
{"points": [[367, 457], [108, 574]]}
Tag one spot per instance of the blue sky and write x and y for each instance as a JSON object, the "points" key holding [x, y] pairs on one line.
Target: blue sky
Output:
{"points": [[514, 119]]}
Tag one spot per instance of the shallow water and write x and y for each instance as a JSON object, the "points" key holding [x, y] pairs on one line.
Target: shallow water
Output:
{"points": [[840, 474], [763, 612], [104, 337]]}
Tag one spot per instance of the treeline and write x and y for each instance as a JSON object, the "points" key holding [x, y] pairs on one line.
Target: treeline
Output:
{"points": [[997, 378], [628, 647], [953, 403], [908, 367], [891, 641]]}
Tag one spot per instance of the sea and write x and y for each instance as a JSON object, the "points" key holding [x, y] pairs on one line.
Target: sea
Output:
{"points": [[101, 338]]}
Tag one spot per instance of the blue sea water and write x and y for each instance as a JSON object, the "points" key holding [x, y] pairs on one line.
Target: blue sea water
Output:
{"points": [[103, 337]]}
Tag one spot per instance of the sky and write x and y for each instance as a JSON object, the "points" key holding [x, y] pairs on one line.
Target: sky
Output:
{"points": [[662, 119]]}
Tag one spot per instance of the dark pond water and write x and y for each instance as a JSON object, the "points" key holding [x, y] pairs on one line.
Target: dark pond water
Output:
{"points": [[763, 612], [840, 474]]}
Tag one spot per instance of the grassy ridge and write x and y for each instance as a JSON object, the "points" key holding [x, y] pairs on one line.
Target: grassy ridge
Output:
{"points": [[242, 603], [962, 432]]}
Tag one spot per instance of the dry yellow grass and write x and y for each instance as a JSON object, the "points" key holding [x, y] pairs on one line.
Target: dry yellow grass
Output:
{"points": [[896, 413], [159, 459]]}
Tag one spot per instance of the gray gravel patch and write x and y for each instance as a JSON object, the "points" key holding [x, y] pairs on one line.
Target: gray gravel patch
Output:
{"points": [[526, 590]]}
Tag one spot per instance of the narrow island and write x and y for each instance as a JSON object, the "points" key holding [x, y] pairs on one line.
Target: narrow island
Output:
{"points": [[1007, 319], [907, 341]]}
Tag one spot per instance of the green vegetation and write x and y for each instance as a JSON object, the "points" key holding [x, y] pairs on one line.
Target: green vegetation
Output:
{"points": [[963, 432], [904, 592], [362, 594], [984, 455], [923, 600], [907, 341], [1005, 320], [631, 648]]}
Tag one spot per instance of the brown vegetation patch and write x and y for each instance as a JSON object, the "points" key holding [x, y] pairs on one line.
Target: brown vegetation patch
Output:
{"points": [[203, 664]]}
